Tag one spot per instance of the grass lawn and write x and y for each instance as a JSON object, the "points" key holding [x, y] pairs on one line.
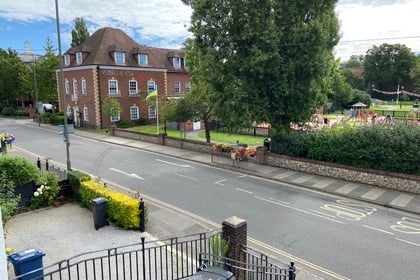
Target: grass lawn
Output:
{"points": [[232, 138], [214, 136]]}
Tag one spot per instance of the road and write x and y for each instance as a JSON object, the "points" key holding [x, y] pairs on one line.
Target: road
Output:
{"points": [[342, 238]]}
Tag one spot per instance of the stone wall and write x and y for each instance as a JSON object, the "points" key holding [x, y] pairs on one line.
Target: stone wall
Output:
{"points": [[396, 181]]}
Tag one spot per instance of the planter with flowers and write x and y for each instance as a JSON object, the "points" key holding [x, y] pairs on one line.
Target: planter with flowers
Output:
{"points": [[234, 152], [47, 192], [6, 140]]}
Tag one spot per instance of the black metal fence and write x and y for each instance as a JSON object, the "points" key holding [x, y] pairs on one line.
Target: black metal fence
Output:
{"points": [[174, 258], [247, 163], [257, 266]]}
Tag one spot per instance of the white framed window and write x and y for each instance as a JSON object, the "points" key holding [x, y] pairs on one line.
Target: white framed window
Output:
{"points": [[187, 87], [67, 86], [84, 89], [177, 88], [152, 112], [79, 58], [115, 117], [134, 112], [85, 114], [113, 87], [75, 90], [66, 60], [132, 87], [119, 57], [176, 62], [143, 59], [151, 85]]}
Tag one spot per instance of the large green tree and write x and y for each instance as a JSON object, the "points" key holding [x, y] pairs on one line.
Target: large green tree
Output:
{"points": [[415, 75], [14, 77], [265, 60], [387, 65], [46, 75], [79, 33]]}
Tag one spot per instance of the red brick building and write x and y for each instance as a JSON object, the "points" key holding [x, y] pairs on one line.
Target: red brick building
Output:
{"points": [[111, 64]]}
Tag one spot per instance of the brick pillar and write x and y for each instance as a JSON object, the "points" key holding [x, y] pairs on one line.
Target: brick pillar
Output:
{"points": [[260, 155], [112, 130], [161, 139], [234, 230]]}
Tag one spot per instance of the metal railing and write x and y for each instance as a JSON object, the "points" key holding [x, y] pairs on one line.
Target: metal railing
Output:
{"points": [[256, 266], [173, 258]]}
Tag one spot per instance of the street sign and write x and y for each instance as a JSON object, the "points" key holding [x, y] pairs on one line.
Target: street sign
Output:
{"points": [[70, 129]]}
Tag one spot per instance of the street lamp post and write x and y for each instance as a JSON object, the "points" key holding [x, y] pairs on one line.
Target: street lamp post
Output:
{"points": [[64, 101], [36, 93]]}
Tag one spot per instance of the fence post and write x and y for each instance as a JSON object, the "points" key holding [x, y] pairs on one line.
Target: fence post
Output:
{"points": [[292, 274], [143, 255], [234, 230], [142, 215]]}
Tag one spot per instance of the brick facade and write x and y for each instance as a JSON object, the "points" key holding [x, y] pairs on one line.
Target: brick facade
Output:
{"points": [[98, 65]]}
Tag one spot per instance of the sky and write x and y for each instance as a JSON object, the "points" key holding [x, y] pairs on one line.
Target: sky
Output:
{"points": [[164, 23]]}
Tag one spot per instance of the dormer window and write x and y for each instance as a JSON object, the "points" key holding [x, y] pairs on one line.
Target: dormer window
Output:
{"points": [[143, 59], [119, 58], [79, 58], [176, 62], [66, 60]]}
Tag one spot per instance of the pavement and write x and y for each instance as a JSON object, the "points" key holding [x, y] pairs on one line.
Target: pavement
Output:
{"points": [[68, 230]]}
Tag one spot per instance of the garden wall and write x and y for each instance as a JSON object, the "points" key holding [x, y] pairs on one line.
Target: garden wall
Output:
{"points": [[396, 181]]}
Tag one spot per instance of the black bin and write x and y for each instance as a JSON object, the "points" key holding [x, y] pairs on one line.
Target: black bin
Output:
{"points": [[99, 212], [267, 142], [27, 261]]}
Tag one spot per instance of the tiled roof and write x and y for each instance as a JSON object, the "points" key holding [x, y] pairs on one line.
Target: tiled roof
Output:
{"points": [[100, 46]]}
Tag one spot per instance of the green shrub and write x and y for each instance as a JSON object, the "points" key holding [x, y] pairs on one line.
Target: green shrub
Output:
{"points": [[393, 147], [19, 170], [8, 111], [75, 177], [45, 117], [8, 200], [121, 209], [47, 192], [21, 114], [124, 124]]}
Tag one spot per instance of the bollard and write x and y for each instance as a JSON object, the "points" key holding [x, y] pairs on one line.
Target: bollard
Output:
{"points": [[142, 215], [292, 274], [38, 163], [46, 165]]}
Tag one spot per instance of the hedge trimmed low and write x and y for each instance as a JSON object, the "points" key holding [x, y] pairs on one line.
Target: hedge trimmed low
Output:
{"points": [[121, 209]]}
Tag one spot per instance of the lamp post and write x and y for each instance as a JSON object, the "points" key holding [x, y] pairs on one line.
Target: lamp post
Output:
{"points": [[64, 101], [36, 93]]}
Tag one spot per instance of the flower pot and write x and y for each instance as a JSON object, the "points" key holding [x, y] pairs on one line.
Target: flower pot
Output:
{"points": [[56, 203]]}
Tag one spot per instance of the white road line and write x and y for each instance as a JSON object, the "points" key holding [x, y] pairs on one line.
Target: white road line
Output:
{"points": [[323, 183], [127, 174], [321, 213], [242, 190], [283, 175], [377, 229], [373, 194], [347, 188], [242, 176], [188, 177], [302, 179], [299, 210], [409, 242], [220, 182], [173, 163], [401, 200]]}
